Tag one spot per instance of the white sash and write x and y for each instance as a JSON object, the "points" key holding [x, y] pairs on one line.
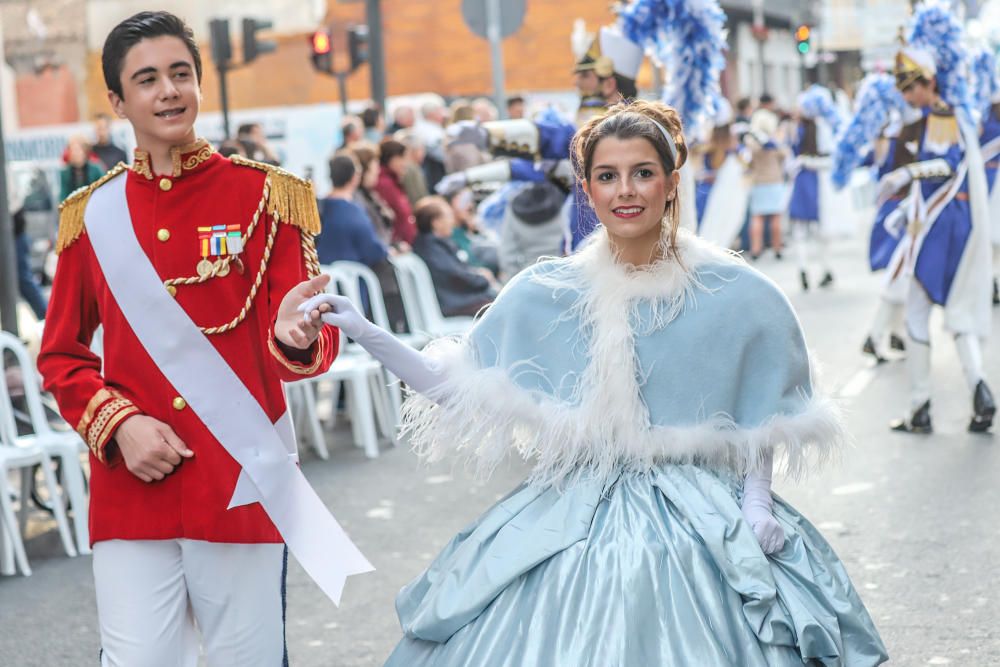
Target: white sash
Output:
{"points": [[199, 373]]}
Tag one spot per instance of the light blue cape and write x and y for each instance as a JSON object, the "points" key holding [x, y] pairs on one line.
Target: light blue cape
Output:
{"points": [[589, 367]]}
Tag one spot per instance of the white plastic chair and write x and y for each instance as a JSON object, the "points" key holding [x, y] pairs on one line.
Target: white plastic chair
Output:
{"points": [[416, 288], [66, 446], [354, 275], [368, 401], [24, 459], [16, 454]]}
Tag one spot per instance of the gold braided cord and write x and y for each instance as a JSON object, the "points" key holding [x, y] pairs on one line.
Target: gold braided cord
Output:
{"points": [[310, 255], [217, 268], [233, 323]]}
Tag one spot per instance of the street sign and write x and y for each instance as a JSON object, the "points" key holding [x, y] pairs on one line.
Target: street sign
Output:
{"points": [[476, 16]]}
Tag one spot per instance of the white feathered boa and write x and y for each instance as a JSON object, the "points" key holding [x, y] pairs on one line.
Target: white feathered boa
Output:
{"points": [[607, 429]]}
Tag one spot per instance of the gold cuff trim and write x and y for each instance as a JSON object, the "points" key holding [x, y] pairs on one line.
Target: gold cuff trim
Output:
{"points": [[107, 420], [102, 394], [296, 368]]}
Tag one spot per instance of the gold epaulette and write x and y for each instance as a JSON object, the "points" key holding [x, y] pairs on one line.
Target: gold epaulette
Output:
{"points": [[72, 209], [291, 197]]}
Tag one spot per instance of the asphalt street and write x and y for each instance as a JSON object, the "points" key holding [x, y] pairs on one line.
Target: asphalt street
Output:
{"points": [[914, 518]]}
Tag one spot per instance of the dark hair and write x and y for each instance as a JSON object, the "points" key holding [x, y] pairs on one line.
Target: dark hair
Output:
{"points": [[514, 99], [389, 149], [342, 170], [131, 31], [765, 98], [631, 120], [626, 87], [628, 121], [743, 104], [231, 147], [245, 129], [427, 210], [808, 144], [370, 117]]}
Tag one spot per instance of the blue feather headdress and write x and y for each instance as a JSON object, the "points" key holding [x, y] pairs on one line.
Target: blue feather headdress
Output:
{"points": [[877, 101], [817, 102], [936, 29], [983, 72], [688, 38]]}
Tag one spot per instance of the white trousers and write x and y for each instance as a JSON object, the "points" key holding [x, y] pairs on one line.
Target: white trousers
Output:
{"points": [[151, 593], [918, 315], [810, 246]]}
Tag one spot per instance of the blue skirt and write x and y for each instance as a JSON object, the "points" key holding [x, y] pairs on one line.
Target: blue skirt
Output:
{"points": [[661, 569], [804, 202], [767, 199]]}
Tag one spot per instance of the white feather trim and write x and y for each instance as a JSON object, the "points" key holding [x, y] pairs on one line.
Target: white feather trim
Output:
{"points": [[605, 425]]}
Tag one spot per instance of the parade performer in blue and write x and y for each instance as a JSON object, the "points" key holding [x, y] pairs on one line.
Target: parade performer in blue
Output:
{"points": [[946, 248], [653, 378], [987, 94], [870, 138], [819, 121]]}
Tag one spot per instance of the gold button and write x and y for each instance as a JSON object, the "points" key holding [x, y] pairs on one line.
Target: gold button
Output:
{"points": [[179, 403], [163, 235], [171, 290], [166, 184]]}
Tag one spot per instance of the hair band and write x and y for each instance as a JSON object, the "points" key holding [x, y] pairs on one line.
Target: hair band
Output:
{"points": [[671, 145]]}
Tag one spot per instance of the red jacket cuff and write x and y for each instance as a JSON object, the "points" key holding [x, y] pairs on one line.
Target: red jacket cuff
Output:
{"points": [[104, 413], [290, 369]]}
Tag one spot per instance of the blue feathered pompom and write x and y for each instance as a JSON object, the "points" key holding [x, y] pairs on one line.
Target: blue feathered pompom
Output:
{"points": [[688, 37], [817, 102], [983, 72], [876, 102], [937, 30]]}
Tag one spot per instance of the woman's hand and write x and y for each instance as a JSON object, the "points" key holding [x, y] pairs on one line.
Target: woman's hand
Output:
{"points": [[770, 535], [337, 311]]}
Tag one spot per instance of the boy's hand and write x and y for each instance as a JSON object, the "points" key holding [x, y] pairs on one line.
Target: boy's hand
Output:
{"points": [[290, 327], [150, 448]]}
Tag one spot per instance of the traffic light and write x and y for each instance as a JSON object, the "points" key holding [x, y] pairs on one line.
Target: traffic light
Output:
{"points": [[252, 45], [222, 50], [322, 51], [802, 36], [357, 45]]}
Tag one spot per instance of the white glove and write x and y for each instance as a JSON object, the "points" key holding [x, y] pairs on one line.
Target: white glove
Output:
{"points": [[892, 183], [895, 223], [451, 183], [757, 506], [419, 371]]}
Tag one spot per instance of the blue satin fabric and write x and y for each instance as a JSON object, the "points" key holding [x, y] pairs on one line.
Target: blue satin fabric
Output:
{"points": [[661, 570]]}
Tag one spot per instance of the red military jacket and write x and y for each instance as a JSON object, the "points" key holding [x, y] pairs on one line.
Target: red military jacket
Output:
{"points": [[238, 309]]}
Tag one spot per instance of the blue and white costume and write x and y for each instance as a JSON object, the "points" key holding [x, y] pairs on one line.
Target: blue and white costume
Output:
{"points": [[638, 478], [811, 202], [987, 89], [946, 249], [873, 129]]}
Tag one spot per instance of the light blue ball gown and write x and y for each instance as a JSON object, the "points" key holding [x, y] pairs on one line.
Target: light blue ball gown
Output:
{"points": [[643, 396]]}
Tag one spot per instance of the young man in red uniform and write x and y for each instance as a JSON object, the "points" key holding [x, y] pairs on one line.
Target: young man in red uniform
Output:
{"points": [[195, 265]]}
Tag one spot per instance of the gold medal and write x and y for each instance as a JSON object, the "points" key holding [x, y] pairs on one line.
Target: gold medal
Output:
{"points": [[223, 268], [204, 268]]}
